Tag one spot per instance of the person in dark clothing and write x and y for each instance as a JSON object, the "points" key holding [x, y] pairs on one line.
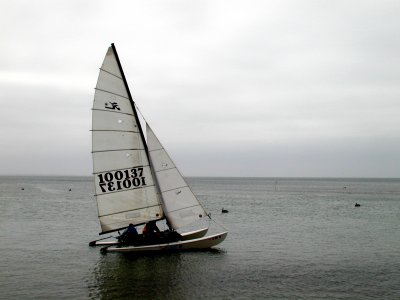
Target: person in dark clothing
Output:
{"points": [[129, 235], [150, 228]]}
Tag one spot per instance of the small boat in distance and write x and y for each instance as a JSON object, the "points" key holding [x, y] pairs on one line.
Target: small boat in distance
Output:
{"points": [[224, 211], [136, 181], [357, 205]]}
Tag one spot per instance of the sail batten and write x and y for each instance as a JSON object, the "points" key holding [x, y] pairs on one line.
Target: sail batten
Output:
{"points": [[175, 189], [114, 112], [172, 211], [110, 73], [124, 183], [166, 169], [109, 92], [110, 150], [113, 130]]}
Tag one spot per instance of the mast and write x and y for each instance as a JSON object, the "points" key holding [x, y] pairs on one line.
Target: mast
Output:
{"points": [[131, 100], [140, 130], [126, 192]]}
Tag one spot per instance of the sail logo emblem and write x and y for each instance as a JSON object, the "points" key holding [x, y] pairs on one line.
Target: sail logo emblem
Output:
{"points": [[111, 105]]}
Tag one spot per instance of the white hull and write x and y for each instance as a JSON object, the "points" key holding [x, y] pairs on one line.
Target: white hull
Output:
{"points": [[194, 234], [185, 236], [194, 244], [106, 243]]}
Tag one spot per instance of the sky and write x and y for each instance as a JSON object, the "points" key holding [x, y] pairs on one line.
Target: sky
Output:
{"points": [[231, 88]]}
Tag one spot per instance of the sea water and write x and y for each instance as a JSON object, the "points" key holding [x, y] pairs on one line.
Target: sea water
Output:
{"points": [[289, 238]]}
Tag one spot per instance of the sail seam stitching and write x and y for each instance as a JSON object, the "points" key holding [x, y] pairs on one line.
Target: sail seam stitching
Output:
{"points": [[97, 89], [156, 149], [108, 72]]}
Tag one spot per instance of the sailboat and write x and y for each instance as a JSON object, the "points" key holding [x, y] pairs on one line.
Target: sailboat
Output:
{"points": [[136, 181]]}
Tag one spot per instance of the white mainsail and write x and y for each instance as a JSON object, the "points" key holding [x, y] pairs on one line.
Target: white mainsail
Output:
{"points": [[181, 206], [124, 185]]}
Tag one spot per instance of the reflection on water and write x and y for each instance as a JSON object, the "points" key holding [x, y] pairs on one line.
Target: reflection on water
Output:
{"points": [[150, 276]]}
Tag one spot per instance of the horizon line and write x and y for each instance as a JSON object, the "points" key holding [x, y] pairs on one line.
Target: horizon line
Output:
{"points": [[217, 176]]}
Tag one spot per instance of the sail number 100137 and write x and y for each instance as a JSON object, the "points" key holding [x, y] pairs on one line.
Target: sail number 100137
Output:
{"points": [[121, 179]]}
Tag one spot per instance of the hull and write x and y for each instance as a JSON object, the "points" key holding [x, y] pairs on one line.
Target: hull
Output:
{"points": [[185, 236], [194, 244], [106, 243], [194, 234]]}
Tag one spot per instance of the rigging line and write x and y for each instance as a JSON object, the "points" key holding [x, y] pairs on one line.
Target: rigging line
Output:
{"points": [[113, 111], [113, 150], [110, 73], [108, 92], [138, 110], [124, 190], [130, 210], [134, 167], [218, 223]]}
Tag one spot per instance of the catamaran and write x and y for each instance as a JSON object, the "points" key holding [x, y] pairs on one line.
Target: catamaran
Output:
{"points": [[136, 181]]}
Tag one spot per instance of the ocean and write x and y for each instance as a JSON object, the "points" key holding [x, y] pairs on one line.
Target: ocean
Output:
{"points": [[289, 238]]}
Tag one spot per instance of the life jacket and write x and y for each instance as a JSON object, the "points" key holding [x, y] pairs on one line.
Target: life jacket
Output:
{"points": [[145, 229]]}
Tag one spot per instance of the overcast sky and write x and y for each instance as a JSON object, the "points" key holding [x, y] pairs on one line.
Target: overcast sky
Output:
{"points": [[231, 88]]}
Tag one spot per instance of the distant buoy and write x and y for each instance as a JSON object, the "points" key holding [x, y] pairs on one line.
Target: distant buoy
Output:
{"points": [[357, 205], [70, 190], [224, 211], [22, 189]]}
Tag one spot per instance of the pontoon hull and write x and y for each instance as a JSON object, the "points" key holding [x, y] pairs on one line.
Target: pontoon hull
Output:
{"points": [[194, 244]]}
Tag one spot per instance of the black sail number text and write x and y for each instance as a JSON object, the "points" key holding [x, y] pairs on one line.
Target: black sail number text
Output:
{"points": [[121, 179]]}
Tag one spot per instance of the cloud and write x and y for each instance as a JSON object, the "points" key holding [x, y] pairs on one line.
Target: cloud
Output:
{"points": [[276, 79]]}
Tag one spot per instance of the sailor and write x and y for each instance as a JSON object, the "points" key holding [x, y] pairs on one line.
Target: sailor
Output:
{"points": [[129, 235], [150, 228]]}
